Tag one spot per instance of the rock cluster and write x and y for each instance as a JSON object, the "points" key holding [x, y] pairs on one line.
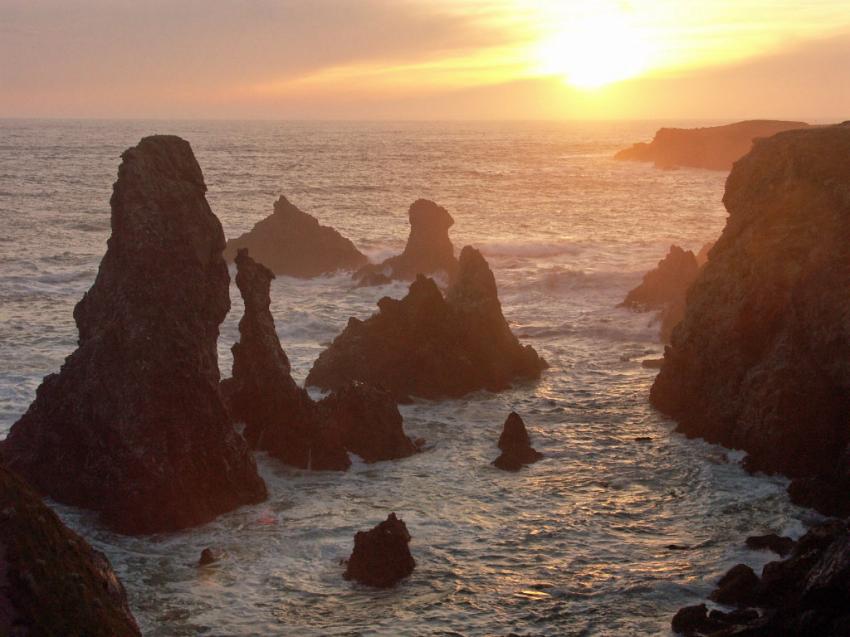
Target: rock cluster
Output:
{"points": [[428, 250], [133, 425], [760, 361], [515, 445], [381, 556], [53, 582], [432, 346], [291, 242], [280, 417], [713, 147], [665, 288], [805, 594]]}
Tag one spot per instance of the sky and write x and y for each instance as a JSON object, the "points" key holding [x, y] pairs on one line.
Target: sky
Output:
{"points": [[425, 59]]}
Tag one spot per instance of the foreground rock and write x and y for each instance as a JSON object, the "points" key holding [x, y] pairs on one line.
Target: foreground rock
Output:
{"points": [[760, 360], [429, 249], [806, 594], [293, 243], [515, 445], [53, 582], [280, 417], [381, 557], [430, 346], [714, 147], [133, 425]]}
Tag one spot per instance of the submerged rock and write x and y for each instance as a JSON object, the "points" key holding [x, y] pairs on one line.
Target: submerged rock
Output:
{"points": [[430, 346], [428, 250], [381, 556], [208, 556], [760, 360], [515, 445], [53, 582], [293, 243], [771, 542], [713, 147], [133, 425]]}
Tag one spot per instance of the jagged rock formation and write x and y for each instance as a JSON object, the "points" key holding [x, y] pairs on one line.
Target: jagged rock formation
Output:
{"points": [[428, 250], [760, 361], [713, 147], [280, 417], [51, 581], [515, 445], [430, 346], [805, 594], [665, 288], [293, 243], [381, 556], [133, 425]]}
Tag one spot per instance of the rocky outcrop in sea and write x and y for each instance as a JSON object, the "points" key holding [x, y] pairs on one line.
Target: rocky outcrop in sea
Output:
{"points": [[515, 445], [293, 243], [432, 346], [53, 582], [133, 425], [381, 556], [428, 251], [760, 360], [712, 147]]}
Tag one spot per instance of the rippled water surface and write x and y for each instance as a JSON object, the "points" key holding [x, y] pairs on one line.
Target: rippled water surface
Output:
{"points": [[577, 544]]}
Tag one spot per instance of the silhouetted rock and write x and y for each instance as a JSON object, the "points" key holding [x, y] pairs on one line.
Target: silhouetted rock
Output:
{"points": [[428, 250], [279, 416], [771, 542], [133, 425], [381, 557], [293, 243], [805, 594], [713, 147], [429, 346], [515, 445], [665, 288], [760, 360], [208, 556], [53, 582], [367, 422]]}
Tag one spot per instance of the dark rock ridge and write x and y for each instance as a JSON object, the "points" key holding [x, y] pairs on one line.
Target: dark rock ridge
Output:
{"points": [[51, 581], [713, 147], [665, 288], [294, 243], [428, 250], [381, 556], [133, 425], [806, 594], [430, 346], [280, 417], [515, 445], [760, 361]]}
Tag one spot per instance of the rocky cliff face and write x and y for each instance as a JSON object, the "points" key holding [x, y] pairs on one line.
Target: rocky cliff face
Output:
{"points": [[714, 147], [429, 249], [293, 243], [761, 361], [430, 346], [51, 581], [133, 425]]}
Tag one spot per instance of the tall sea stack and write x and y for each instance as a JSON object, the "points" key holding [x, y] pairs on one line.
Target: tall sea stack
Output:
{"points": [[133, 425], [761, 360]]}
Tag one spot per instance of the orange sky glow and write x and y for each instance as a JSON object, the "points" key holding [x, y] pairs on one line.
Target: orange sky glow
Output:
{"points": [[425, 59]]}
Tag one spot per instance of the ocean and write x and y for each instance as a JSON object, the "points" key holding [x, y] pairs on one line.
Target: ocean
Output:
{"points": [[608, 535]]}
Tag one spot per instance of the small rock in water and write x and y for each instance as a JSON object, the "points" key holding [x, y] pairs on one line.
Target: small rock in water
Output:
{"points": [[208, 556], [652, 363], [515, 445], [381, 556], [782, 546]]}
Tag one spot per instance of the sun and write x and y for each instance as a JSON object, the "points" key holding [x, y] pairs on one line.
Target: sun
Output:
{"points": [[593, 50]]}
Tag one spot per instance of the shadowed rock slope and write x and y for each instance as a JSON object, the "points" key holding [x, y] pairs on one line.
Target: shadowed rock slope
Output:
{"points": [[53, 582], [429, 249], [133, 425], [713, 147], [280, 417], [430, 346], [293, 243], [761, 361]]}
